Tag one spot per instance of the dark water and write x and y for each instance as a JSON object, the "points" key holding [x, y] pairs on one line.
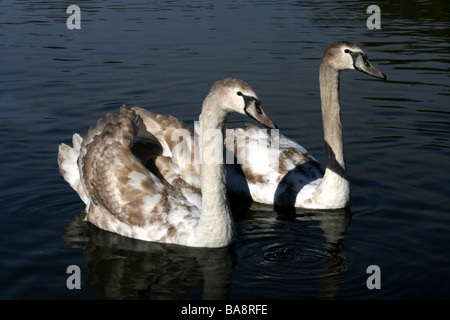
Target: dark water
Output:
{"points": [[164, 56]]}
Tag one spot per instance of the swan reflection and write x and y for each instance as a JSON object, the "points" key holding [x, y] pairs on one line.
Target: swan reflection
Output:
{"points": [[126, 268], [288, 247], [300, 250]]}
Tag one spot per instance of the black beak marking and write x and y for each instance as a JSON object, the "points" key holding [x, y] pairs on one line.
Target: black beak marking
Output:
{"points": [[366, 62], [249, 100]]}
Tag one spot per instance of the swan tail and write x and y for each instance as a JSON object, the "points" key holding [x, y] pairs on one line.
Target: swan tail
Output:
{"points": [[70, 159], [68, 165]]}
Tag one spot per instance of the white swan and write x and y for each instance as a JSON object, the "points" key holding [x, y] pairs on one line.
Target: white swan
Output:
{"points": [[289, 175], [125, 196]]}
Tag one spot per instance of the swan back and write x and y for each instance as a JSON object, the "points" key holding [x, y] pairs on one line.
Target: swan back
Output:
{"points": [[275, 167]]}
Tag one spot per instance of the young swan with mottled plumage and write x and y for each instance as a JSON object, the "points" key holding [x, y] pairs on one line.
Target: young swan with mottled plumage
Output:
{"points": [[124, 196], [289, 176]]}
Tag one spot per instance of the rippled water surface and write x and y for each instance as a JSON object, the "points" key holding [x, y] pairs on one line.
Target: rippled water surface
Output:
{"points": [[164, 56]]}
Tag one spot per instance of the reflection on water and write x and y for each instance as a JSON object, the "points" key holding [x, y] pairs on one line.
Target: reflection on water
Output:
{"points": [[290, 247], [300, 250], [125, 268]]}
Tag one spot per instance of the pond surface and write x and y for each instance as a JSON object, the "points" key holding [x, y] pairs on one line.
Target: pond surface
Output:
{"points": [[164, 56]]}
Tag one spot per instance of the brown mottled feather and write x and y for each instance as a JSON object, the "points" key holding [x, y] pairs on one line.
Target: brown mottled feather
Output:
{"points": [[268, 171], [183, 174], [123, 192]]}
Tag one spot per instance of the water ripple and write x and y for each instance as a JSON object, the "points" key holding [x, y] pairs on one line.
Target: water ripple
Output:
{"points": [[293, 251]]}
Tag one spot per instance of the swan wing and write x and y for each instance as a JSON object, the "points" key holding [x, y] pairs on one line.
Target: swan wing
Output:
{"points": [[275, 167], [126, 197], [176, 163]]}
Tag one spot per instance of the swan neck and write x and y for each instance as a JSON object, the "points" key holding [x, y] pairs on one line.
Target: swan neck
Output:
{"points": [[216, 225], [332, 127]]}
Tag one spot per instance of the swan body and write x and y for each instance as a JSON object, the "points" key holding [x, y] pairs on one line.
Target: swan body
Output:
{"points": [[291, 176], [129, 195]]}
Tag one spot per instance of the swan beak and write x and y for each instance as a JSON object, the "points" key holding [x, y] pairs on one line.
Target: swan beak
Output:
{"points": [[362, 63], [254, 110]]}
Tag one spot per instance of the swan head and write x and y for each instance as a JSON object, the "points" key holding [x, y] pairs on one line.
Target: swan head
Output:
{"points": [[342, 55], [235, 95]]}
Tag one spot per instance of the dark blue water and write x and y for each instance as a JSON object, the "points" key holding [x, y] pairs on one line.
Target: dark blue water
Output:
{"points": [[164, 56]]}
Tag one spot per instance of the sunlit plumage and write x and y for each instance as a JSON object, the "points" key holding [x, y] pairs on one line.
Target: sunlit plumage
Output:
{"points": [[140, 191]]}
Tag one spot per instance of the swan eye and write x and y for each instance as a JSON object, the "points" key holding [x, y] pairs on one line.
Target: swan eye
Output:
{"points": [[347, 51], [239, 93]]}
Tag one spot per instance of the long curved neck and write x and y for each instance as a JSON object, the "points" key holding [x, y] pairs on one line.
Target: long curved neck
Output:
{"points": [[332, 127], [216, 226], [334, 189]]}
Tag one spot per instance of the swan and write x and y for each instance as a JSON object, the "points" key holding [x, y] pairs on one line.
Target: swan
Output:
{"points": [[130, 197], [289, 175]]}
